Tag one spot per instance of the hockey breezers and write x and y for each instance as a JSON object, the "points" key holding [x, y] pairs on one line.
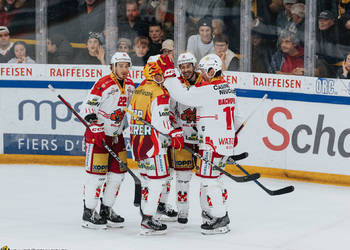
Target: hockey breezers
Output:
{"points": [[137, 197], [250, 177]]}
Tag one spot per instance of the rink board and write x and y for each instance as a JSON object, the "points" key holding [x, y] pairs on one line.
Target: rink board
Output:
{"points": [[302, 126]]}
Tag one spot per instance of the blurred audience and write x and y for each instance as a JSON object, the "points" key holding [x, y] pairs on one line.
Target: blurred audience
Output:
{"points": [[165, 15], [230, 61], [289, 59], [20, 49], [155, 33], [201, 44], [6, 50], [284, 17], [218, 26], [124, 45], [262, 51], [298, 21], [59, 50], [94, 53], [168, 48], [140, 55], [132, 25], [343, 72], [8, 9]]}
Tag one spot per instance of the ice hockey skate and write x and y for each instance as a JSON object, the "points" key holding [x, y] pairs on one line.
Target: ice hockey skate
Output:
{"points": [[166, 213], [91, 219], [113, 220], [182, 217], [151, 226], [215, 225]]}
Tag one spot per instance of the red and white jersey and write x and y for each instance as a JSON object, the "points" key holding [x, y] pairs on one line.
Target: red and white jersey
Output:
{"points": [[217, 111], [186, 115], [107, 99]]}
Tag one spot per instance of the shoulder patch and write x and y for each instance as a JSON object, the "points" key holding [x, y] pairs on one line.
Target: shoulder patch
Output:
{"points": [[163, 99]]}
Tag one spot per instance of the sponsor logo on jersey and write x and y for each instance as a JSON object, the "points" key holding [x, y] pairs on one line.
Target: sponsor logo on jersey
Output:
{"points": [[99, 168], [189, 115], [226, 141], [221, 86], [165, 112], [113, 92], [93, 102], [184, 163], [227, 91], [117, 116], [143, 92]]}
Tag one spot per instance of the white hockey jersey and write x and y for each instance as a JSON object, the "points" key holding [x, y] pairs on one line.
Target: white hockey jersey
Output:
{"points": [[107, 99], [217, 111], [186, 115]]}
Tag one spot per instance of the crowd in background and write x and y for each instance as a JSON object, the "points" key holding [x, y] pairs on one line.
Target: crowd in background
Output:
{"points": [[77, 35]]}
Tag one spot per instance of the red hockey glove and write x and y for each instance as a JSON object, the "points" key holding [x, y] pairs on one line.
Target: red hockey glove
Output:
{"points": [[177, 138], [94, 134], [167, 66]]}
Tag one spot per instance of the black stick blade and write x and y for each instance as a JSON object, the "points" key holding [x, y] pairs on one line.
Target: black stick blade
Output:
{"points": [[250, 177], [137, 198], [239, 157], [285, 190]]}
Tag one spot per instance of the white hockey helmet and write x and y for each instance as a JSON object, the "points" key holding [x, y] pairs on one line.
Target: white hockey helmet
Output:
{"points": [[121, 57], [210, 61], [186, 57]]}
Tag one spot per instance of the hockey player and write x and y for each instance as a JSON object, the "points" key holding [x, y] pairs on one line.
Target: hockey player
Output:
{"points": [[151, 102], [185, 117], [217, 118], [103, 109]]}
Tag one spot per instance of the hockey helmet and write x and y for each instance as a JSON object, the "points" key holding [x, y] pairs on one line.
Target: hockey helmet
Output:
{"points": [[210, 61], [121, 57], [186, 57], [152, 68]]}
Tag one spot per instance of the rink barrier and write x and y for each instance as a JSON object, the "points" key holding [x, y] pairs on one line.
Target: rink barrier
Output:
{"points": [[286, 174]]}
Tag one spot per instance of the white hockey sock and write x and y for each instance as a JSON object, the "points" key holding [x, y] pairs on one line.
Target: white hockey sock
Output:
{"points": [[182, 190], [215, 204], [92, 189], [163, 198], [111, 189], [154, 190]]}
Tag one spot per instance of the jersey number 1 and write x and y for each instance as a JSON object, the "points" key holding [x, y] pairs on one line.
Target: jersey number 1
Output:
{"points": [[229, 117]]}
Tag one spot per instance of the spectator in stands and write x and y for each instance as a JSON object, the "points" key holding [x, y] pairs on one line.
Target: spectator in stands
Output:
{"points": [[140, 55], [198, 9], [262, 51], [6, 50], [155, 33], [168, 48], [8, 9], [165, 15], [201, 44], [22, 21], [20, 50], [289, 59], [124, 45], [298, 17], [59, 50], [218, 26], [328, 41], [94, 54], [330, 5], [132, 25], [230, 61], [343, 72], [91, 17], [284, 17]]}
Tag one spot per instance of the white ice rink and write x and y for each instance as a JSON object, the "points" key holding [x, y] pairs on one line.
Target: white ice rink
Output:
{"points": [[41, 208]]}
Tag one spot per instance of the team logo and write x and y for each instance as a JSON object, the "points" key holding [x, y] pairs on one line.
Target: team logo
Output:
{"points": [[117, 116], [189, 115]]}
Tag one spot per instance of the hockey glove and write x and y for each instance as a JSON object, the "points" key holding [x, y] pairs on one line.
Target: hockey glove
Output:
{"points": [[94, 134], [167, 66], [90, 118], [177, 138]]}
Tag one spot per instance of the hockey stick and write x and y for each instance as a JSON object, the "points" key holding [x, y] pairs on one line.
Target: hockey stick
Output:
{"points": [[251, 114], [235, 178], [284, 190], [137, 197]]}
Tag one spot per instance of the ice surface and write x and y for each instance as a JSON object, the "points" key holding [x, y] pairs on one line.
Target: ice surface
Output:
{"points": [[41, 208]]}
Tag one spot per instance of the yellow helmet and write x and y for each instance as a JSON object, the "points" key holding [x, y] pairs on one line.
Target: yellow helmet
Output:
{"points": [[152, 68]]}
